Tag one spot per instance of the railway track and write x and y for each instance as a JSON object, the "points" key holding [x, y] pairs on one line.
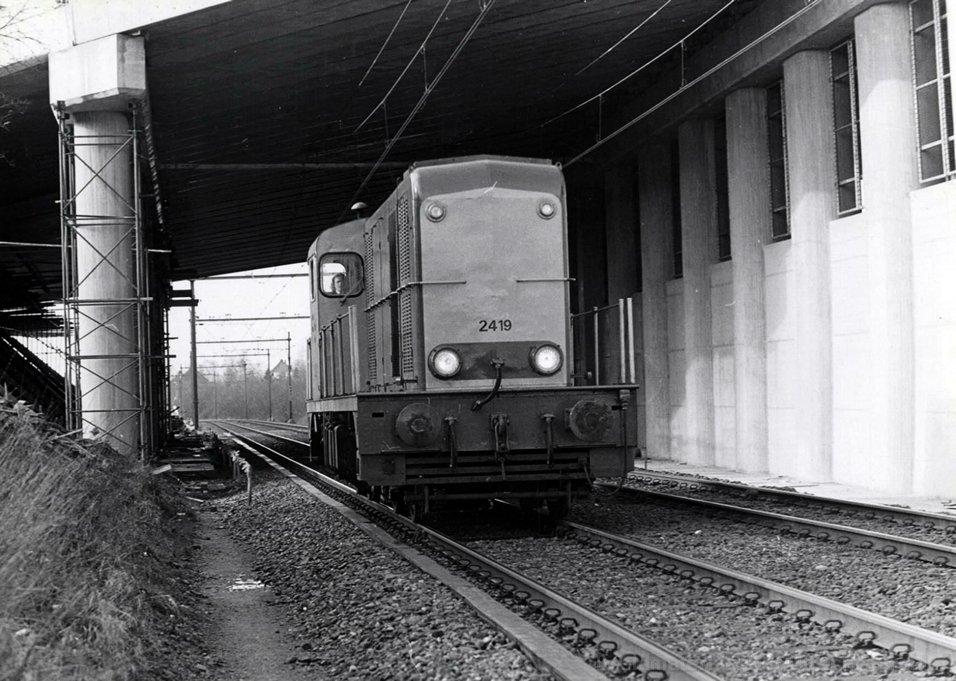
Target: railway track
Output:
{"points": [[602, 638], [936, 527], [889, 544], [902, 639], [843, 631]]}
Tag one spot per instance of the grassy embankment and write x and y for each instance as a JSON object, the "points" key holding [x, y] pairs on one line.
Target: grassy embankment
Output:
{"points": [[87, 559]]}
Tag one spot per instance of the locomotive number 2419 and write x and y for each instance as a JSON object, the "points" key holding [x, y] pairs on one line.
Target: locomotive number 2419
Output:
{"points": [[485, 325]]}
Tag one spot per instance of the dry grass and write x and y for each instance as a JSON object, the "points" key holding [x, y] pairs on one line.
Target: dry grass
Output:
{"points": [[86, 547]]}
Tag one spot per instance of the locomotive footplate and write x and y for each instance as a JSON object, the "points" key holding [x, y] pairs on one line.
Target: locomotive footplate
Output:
{"points": [[523, 443]]}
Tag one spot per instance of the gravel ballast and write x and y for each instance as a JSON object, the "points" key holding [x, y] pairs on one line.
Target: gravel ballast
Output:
{"points": [[808, 507], [907, 590], [725, 636], [359, 610]]}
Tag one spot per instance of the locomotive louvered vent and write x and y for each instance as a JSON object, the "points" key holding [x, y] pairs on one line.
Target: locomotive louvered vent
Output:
{"points": [[405, 297], [369, 299]]}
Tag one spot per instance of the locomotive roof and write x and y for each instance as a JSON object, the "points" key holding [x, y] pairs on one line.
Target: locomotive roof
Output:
{"points": [[474, 158]]}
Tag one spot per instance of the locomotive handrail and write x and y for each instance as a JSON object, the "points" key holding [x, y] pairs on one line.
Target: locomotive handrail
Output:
{"points": [[625, 321], [409, 284], [594, 310]]}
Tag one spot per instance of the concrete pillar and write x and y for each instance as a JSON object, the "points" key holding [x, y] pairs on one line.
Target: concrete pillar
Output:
{"points": [[809, 119], [887, 141], [657, 267], [106, 270], [95, 82], [748, 177], [699, 249]]}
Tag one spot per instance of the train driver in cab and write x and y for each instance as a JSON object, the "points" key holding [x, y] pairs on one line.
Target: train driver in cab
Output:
{"points": [[338, 285]]}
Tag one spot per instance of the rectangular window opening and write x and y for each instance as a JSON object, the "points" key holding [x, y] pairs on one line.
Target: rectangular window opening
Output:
{"points": [[675, 211], [846, 128], [777, 142], [723, 200], [933, 95]]}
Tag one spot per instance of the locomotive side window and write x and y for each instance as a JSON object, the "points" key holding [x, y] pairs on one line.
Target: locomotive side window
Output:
{"points": [[341, 275], [312, 278]]}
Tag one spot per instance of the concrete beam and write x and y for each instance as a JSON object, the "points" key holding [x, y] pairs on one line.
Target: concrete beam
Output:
{"points": [[95, 19], [103, 75], [749, 54]]}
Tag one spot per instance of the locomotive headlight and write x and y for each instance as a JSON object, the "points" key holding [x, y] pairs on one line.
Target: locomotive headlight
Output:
{"points": [[546, 359], [546, 209], [444, 362], [435, 212]]}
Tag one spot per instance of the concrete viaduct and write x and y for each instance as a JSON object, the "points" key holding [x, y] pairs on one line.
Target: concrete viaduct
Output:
{"points": [[770, 183]]}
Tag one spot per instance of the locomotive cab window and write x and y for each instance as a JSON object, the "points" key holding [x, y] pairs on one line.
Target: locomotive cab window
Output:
{"points": [[341, 275]]}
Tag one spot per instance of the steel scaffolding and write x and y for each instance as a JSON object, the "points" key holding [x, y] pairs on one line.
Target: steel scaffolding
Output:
{"points": [[126, 374]]}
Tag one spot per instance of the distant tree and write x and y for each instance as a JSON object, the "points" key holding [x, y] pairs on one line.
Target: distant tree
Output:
{"points": [[13, 37]]}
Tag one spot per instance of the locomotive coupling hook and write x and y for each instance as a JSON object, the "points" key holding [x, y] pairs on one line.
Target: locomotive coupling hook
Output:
{"points": [[497, 364]]}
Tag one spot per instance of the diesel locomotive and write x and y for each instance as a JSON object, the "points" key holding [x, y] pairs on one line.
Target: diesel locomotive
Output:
{"points": [[440, 358]]}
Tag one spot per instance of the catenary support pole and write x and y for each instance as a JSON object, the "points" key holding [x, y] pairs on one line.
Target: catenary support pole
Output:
{"points": [[192, 354]]}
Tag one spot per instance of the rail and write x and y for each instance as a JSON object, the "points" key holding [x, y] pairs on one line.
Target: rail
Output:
{"points": [[576, 623], [889, 544], [902, 639]]}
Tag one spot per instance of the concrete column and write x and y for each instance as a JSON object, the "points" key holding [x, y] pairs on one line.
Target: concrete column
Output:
{"points": [[657, 267], [749, 198], [106, 270], [809, 119], [95, 83], [888, 140], [699, 249]]}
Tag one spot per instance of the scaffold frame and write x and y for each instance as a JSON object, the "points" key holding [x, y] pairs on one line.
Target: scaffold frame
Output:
{"points": [[77, 308]]}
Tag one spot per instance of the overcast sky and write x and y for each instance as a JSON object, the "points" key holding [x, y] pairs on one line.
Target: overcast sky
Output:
{"points": [[244, 298]]}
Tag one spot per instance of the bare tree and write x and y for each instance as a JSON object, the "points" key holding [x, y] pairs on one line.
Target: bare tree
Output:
{"points": [[14, 37]]}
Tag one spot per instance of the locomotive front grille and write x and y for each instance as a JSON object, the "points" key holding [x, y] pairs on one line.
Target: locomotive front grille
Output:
{"points": [[481, 467]]}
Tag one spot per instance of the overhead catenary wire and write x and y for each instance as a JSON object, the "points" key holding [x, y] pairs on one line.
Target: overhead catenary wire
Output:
{"points": [[643, 66], [485, 8], [411, 61], [634, 121], [385, 44], [626, 36]]}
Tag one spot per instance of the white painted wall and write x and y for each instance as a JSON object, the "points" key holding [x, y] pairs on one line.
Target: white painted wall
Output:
{"points": [[934, 245], [780, 297], [722, 330], [934, 272], [851, 350], [676, 365]]}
